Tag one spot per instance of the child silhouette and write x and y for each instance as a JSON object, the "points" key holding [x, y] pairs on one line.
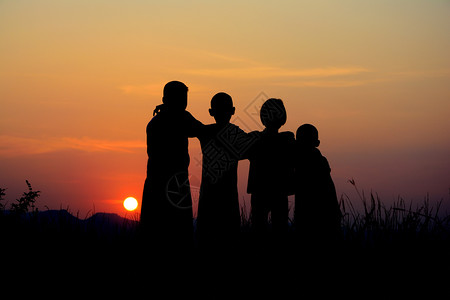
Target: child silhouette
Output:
{"points": [[166, 215], [317, 214], [271, 170], [223, 145]]}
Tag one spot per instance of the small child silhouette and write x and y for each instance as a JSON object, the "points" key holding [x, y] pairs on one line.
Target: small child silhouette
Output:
{"points": [[317, 214], [271, 170], [223, 145]]}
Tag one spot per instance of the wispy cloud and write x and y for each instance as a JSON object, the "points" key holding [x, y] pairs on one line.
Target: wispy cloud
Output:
{"points": [[228, 58], [239, 68], [423, 73], [276, 73], [154, 89], [93, 145], [143, 89], [330, 83], [229, 66], [16, 146], [374, 78]]}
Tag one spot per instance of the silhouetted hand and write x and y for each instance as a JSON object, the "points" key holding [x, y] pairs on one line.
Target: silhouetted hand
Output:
{"points": [[158, 109]]}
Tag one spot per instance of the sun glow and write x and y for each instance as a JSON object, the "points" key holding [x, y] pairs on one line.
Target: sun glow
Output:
{"points": [[130, 203]]}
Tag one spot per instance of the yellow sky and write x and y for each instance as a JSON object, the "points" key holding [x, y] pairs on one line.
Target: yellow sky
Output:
{"points": [[79, 80]]}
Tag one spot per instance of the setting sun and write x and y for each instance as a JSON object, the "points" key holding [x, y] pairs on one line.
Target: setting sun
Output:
{"points": [[130, 203]]}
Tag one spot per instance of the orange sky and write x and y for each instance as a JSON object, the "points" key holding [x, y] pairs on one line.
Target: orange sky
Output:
{"points": [[79, 80]]}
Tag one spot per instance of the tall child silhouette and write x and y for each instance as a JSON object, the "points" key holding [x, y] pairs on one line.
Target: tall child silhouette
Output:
{"points": [[223, 145], [271, 170], [317, 213], [166, 215]]}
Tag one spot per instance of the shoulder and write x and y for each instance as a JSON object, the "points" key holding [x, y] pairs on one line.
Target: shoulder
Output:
{"points": [[234, 127], [210, 127], [207, 131], [255, 134], [153, 122], [287, 137], [324, 162], [287, 134], [254, 138], [234, 131], [187, 116]]}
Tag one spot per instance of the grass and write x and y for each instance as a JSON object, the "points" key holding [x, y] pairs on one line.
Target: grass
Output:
{"points": [[399, 227], [399, 224]]}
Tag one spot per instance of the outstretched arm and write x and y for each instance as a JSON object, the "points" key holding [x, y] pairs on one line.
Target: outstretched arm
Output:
{"points": [[243, 143], [194, 127]]}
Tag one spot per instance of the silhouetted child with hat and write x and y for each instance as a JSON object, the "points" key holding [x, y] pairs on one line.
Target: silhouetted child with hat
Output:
{"points": [[271, 171], [317, 214]]}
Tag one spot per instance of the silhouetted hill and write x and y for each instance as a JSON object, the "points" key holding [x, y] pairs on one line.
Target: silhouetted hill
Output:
{"points": [[109, 220], [97, 218], [57, 216], [63, 222]]}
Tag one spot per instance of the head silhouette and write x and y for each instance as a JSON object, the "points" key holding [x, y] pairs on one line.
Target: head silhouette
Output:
{"points": [[308, 136], [222, 108], [175, 96], [273, 114]]}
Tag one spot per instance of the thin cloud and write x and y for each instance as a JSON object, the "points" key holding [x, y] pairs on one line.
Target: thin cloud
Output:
{"points": [[423, 73], [242, 68], [228, 58], [17, 146], [143, 89], [155, 90], [274, 73], [327, 83], [359, 81], [94, 145]]}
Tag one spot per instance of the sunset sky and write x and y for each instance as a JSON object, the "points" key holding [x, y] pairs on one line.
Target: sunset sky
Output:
{"points": [[79, 80]]}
